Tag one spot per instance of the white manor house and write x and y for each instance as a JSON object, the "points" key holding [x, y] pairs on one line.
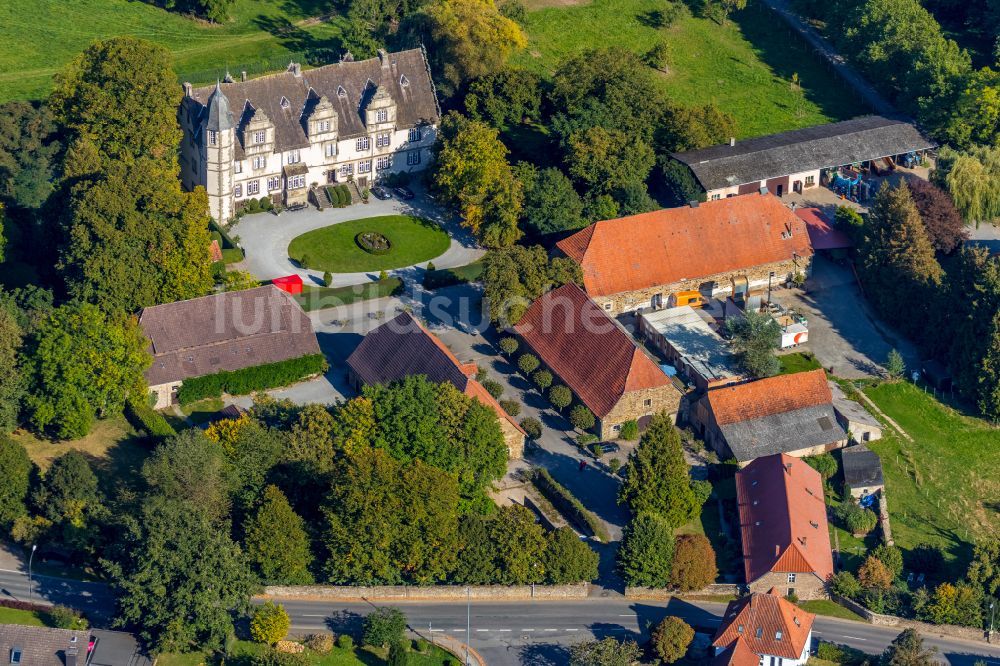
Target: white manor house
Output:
{"points": [[280, 134]]}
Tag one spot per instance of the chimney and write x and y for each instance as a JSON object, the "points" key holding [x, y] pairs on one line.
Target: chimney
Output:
{"points": [[777, 550], [188, 89], [732, 141], [693, 203], [243, 76], [295, 68], [383, 58]]}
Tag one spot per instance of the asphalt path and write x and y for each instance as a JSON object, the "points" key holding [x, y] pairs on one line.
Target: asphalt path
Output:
{"points": [[540, 633]]}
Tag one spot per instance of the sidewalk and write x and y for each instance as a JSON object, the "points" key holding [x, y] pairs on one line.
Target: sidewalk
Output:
{"points": [[455, 646]]}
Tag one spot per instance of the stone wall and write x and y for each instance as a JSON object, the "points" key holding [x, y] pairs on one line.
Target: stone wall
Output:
{"points": [[627, 301], [664, 593], [514, 439], [431, 592], [964, 633], [632, 406], [806, 585]]}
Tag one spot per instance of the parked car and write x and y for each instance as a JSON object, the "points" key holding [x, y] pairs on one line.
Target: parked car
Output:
{"points": [[403, 193], [381, 193]]}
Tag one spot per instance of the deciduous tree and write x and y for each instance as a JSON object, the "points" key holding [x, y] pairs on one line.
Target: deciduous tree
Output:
{"points": [[514, 277], [507, 548], [945, 227], [607, 652], [908, 649], [551, 204], [12, 379], [606, 160], [15, 477], [505, 98], [384, 626], [270, 623], [694, 565], [873, 573], [276, 542], [671, 639], [755, 338]]}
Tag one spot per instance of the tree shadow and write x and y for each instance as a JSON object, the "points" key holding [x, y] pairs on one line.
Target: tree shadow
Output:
{"points": [[544, 654], [316, 51]]}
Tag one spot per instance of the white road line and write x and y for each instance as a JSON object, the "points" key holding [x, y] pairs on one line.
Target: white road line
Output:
{"points": [[503, 629], [855, 638], [627, 615], [305, 615], [433, 630], [527, 630], [572, 630], [482, 629], [550, 630], [462, 630]]}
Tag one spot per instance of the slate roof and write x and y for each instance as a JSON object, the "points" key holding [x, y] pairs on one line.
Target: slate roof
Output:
{"points": [[674, 244], [348, 85], [862, 467], [751, 625], [822, 234], [783, 518], [819, 147], [42, 646], [852, 410], [227, 331], [783, 433], [587, 349], [402, 347]]}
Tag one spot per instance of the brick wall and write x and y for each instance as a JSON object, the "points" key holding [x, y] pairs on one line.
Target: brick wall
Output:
{"points": [[758, 277], [404, 592], [632, 406], [806, 585]]}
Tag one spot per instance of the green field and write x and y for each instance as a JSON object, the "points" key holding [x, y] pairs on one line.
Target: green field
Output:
{"points": [[22, 617], [334, 249], [42, 35], [745, 67], [798, 362], [943, 487]]}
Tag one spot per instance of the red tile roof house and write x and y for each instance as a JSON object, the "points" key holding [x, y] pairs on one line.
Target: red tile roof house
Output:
{"points": [[588, 352], [638, 261], [227, 331], [763, 630], [786, 541], [403, 347], [791, 414]]}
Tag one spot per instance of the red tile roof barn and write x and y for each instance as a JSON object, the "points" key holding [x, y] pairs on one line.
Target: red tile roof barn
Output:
{"points": [[580, 343], [675, 244], [783, 518], [764, 624], [772, 395], [403, 347]]}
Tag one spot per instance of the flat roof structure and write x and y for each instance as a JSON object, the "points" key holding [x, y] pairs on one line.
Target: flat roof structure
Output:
{"points": [[699, 347]]}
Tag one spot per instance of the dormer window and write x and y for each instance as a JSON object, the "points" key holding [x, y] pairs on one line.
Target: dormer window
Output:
{"points": [[759, 633], [285, 103], [341, 92], [382, 115], [777, 635], [403, 81]]}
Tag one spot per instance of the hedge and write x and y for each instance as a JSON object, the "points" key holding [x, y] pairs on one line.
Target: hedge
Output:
{"points": [[319, 298], [449, 277], [248, 380], [227, 242], [144, 418], [569, 505]]}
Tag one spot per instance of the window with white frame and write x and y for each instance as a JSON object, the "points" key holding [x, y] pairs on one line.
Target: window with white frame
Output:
{"points": [[259, 162], [382, 140], [323, 126], [330, 150], [274, 183], [260, 136], [791, 578], [364, 143], [347, 170], [238, 191], [365, 166], [293, 157], [810, 181], [253, 187], [238, 166], [413, 157], [297, 182], [383, 163], [414, 134], [716, 197], [382, 115], [213, 137]]}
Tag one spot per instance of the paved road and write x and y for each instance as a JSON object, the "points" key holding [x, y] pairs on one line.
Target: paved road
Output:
{"points": [[266, 237], [94, 599], [539, 633]]}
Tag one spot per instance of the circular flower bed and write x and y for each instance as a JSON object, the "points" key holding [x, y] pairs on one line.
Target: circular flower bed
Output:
{"points": [[373, 242]]}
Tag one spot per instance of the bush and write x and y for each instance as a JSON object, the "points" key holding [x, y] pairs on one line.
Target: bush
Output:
{"points": [[532, 426], [614, 465], [265, 204], [63, 617], [568, 505], [142, 417], [305, 261], [320, 643], [528, 363], [345, 642], [597, 450], [493, 387], [508, 345], [581, 417], [345, 195], [383, 275], [586, 439], [560, 396], [248, 380], [629, 431], [327, 278], [269, 624], [858, 519], [384, 626], [844, 584], [891, 557], [430, 266], [251, 206], [512, 407], [542, 379], [671, 639], [421, 646]]}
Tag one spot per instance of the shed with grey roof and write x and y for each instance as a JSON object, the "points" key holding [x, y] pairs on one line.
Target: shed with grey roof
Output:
{"points": [[800, 432], [788, 158], [862, 470], [854, 418]]}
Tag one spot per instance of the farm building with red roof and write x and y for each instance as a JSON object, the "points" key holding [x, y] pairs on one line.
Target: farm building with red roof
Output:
{"points": [[638, 261], [763, 629], [783, 527], [596, 359]]}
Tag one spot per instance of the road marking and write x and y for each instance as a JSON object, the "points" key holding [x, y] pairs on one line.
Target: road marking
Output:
{"points": [[305, 615], [482, 629], [433, 630], [527, 630], [503, 629], [855, 638], [550, 630], [572, 630], [462, 630], [627, 615]]}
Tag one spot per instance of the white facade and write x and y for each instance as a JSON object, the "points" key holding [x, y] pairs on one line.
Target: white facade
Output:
{"points": [[797, 182]]}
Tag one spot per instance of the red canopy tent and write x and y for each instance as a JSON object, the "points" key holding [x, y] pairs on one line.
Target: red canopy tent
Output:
{"points": [[291, 283]]}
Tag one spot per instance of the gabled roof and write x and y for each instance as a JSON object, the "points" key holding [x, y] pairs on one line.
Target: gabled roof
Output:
{"points": [[862, 467], [808, 149], [587, 349], [772, 395], [753, 624], [822, 234], [674, 244], [737, 653], [404, 76], [43, 646], [783, 518], [403, 347], [227, 331], [785, 432]]}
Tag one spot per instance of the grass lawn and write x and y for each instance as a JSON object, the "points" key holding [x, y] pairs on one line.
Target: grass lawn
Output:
{"points": [[22, 617], [334, 249], [320, 298], [727, 556], [447, 277], [745, 66], [263, 35], [798, 362], [829, 608], [112, 446], [359, 656], [202, 411], [942, 487]]}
